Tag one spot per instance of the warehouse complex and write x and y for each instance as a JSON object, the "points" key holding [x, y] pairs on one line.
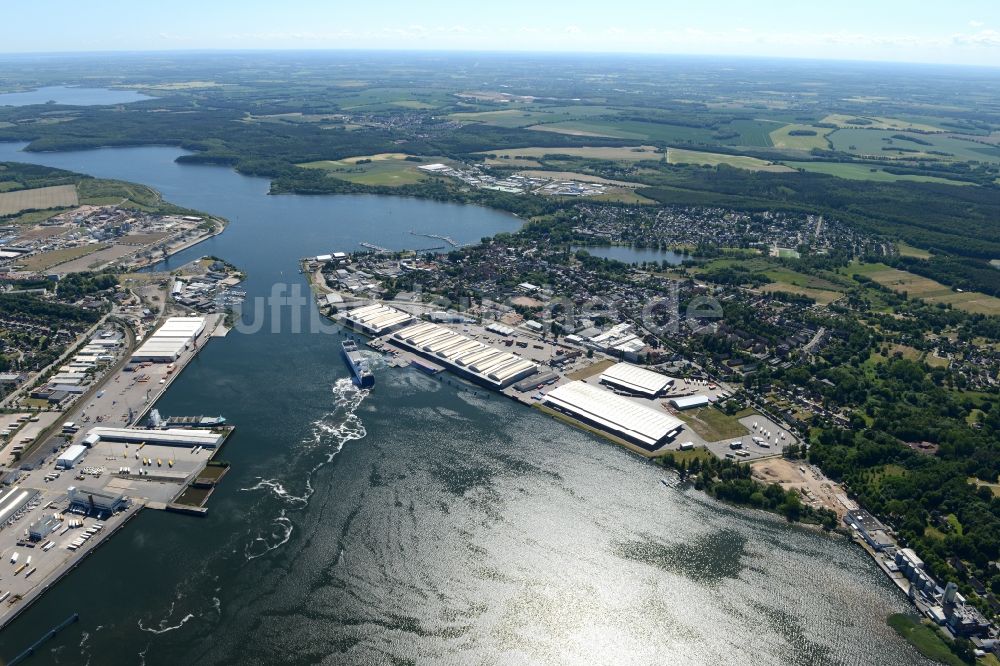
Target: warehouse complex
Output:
{"points": [[188, 437], [631, 379], [95, 500], [689, 402], [71, 456], [464, 356], [376, 319], [170, 340], [612, 413]]}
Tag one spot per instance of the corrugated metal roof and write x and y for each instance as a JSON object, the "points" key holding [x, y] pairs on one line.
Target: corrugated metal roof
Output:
{"points": [[636, 379], [618, 415]]}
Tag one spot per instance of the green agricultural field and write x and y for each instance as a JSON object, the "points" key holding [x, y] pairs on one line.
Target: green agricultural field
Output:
{"points": [[853, 171], [617, 154], [878, 122], [752, 132], [931, 291], [389, 97], [786, 278], [382, 169], [630, 129], [39, 198], [414, 104], [519, 117], [45, 260], [882, 143], [821, 296], [781, 138], [682, 156], [924, 638], [573, 175], [624, 196], [910, 251], [525, 115], [713, 425]]}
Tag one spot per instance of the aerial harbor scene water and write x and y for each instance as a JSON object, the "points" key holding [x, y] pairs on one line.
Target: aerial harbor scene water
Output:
{"points": [[386, 335], [361, 493]]}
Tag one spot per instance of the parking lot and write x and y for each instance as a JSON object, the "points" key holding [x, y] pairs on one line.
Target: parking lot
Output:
{"points": [[39, 563], [148, 475]]}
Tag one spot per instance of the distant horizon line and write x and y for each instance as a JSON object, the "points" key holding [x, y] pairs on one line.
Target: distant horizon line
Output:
{"points": [[27, 55]]}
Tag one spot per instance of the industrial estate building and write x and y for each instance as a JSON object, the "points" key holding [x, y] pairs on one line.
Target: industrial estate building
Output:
{"points": [[71, 456], [628, 378], [689, 402], [464, 356], [166, 437], [376, 319], [617, 415], [92, 500], [170, 340]]}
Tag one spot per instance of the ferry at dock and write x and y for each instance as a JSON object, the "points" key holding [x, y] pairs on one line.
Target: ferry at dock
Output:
{"points": [[358, 364]]}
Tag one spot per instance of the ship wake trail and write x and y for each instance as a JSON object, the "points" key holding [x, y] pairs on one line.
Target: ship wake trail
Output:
{"points": [[328, 436], [280, 534], [164, 628]]}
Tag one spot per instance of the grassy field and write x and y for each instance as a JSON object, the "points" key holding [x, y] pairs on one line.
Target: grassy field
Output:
{"points": [[778, 274], [752, 132], [780, 138], [98, 191], [882, 143], [620, 154], [931, 291], [713, 425], [532, 114], [382, 169], [698, 453], [925, 639], [45, 260], [573, 175], [878, 122], [821, 296], [629, 129], [40, 198], [390, 97], [95, 260], [623, 196], [682, 156], [910, 251], [989, 660], [852, 171], [413, 104], [995, 487]]}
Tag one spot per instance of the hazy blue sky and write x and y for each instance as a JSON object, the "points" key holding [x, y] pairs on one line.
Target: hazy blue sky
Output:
{"points": [[961, 31]]}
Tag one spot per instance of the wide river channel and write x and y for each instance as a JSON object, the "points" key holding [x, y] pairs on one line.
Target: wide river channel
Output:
{"points": [[426, 521]]}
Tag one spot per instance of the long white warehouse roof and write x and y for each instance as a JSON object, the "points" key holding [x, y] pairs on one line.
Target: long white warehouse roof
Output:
{"points": [[377, 317], [460, 352], [412, 331], [170, 436], [467, 347], [635, 379], [614, 413]]}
